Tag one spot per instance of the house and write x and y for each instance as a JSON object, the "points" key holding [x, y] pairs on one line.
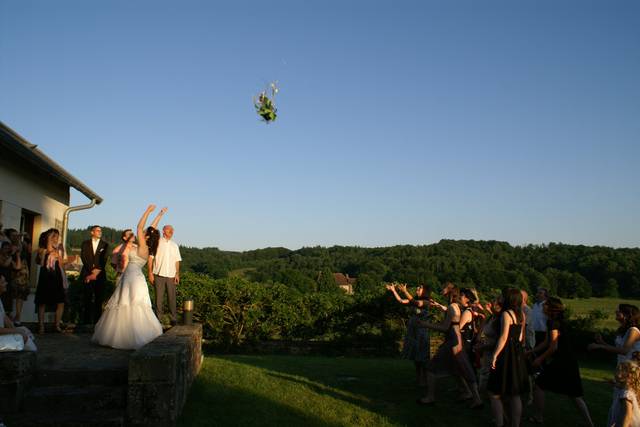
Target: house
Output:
{"points": [[35, 194], [345, 282]]}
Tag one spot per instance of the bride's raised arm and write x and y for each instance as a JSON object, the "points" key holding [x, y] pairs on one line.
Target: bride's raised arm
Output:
{"points": [[143, 250], [156, 221]]}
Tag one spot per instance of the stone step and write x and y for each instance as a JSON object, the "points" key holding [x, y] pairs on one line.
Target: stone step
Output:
{"points": [[76, 400], [69, 328], [104, 377], [97, 419]]}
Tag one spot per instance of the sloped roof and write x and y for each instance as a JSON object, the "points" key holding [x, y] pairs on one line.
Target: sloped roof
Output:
{"points": [[342, 280], [31, 154]]}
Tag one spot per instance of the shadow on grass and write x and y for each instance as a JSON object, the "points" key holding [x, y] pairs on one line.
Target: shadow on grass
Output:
{"points": [[382, 386], [387, 387], [212, 403]]}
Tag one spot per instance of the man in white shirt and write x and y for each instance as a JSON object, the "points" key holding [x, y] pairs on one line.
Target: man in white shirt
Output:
{"points": [[164, 272], [538, 318], [529, 333]]}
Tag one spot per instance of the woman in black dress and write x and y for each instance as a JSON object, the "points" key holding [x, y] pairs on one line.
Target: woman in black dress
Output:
{"points": [[450, 357], [560, 373], [508, 377], [51, 289], [468, 329]]}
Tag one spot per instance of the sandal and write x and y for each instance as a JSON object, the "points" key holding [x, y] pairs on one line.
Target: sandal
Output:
{"points": [[41, 329], [535, 420]]}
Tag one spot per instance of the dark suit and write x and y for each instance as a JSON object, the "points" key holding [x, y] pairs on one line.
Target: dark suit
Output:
{"points": [[94, 290]]}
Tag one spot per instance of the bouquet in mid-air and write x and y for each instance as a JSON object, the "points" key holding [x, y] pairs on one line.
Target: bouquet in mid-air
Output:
{"points": [[265, 106]]}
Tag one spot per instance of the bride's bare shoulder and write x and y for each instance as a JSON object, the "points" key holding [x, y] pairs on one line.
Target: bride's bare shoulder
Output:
{"points": [[137, 253]]}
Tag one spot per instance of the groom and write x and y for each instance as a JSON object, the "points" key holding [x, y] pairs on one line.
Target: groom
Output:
{"points": [[164, 272], [93, 254]]}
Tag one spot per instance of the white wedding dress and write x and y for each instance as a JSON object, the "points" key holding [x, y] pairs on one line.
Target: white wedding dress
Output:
{"points": [[128, 321]]}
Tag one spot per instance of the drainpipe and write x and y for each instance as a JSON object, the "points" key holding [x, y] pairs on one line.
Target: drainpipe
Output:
{"points": [[65, 220]]}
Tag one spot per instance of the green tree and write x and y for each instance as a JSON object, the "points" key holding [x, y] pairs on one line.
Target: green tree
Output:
{"points": [[367, 284], [326, 281], [611, 289]]}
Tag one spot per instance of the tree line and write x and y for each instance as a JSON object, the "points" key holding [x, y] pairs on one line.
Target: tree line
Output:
{"points": [[568, 271]]}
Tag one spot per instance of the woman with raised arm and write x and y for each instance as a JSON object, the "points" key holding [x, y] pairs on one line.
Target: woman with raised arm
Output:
{"points": [[450, 357], [128, 321], [627, 341], [416, 345], [487, 341], [627, 337], [120, 254], [467, 324]]}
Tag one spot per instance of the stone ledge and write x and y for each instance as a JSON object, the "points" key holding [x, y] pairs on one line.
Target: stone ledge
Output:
{"points": [[17, 369], [160, 375]]}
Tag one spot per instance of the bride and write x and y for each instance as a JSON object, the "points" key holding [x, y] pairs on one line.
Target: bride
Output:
{"points": [[128, 321]]}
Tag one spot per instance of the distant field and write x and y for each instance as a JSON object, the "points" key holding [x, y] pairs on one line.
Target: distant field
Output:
{"points": [[582, 307]]}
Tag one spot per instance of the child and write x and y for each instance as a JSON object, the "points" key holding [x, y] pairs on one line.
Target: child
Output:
{"points": [[625, 411]]}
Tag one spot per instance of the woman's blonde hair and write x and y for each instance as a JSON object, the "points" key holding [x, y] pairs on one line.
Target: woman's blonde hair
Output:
{"points": [[628, 374]]}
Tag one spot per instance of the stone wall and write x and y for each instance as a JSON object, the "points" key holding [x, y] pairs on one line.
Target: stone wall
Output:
{"points": [[17, 369], [160, 375]]}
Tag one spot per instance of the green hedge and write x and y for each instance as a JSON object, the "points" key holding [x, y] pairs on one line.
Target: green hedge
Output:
{"points": [[235, 311]]}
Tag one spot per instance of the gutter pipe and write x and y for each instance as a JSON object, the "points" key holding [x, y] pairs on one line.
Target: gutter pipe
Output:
{"points": [[65, 221]]}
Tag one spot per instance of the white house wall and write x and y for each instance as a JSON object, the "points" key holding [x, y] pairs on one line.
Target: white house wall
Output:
{"points": [[24, 187], [29, 189]]}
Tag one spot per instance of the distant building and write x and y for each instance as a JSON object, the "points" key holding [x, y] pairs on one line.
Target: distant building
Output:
{"points": [[345, 282], [34, 193]]}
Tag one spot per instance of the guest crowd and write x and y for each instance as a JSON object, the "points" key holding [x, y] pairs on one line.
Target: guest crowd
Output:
{"points": [[513, 353]]}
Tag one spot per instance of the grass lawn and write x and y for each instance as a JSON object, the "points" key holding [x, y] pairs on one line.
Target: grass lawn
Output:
{"points": [[581, 306], [322, 391]]}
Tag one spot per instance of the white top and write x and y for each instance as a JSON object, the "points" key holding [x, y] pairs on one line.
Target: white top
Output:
{"points": [[619, 342], [616, 412], [164, 262], [94, 244], [538, 318], [529, 333]]}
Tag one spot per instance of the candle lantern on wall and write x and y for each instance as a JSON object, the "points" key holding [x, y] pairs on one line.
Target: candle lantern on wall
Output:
{"points": [[187, 312]]}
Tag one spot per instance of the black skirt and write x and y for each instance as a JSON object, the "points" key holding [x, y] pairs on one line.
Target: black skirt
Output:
{"points": [[510, 377], [50, 290]]}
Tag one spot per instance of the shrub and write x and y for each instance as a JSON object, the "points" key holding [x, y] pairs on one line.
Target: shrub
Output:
{"points": [[235, 311]]}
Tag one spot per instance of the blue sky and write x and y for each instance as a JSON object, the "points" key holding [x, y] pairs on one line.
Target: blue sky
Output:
{"points": [[399, 122]]}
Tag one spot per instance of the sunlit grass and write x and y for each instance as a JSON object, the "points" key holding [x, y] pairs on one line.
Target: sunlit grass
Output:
{"points": [[322, 391]]}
